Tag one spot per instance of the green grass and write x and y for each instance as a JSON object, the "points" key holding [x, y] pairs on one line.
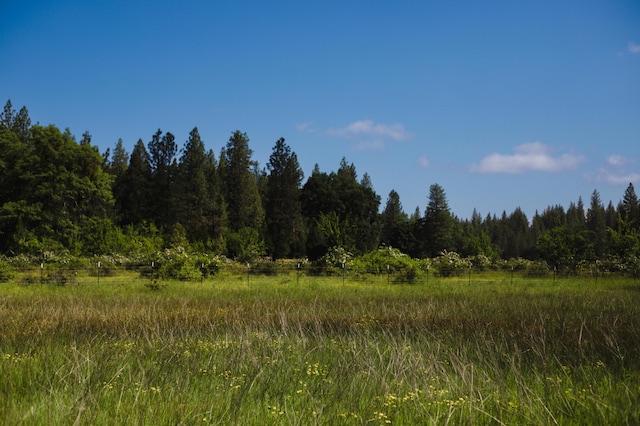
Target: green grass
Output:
{"points": [[316, 351]]}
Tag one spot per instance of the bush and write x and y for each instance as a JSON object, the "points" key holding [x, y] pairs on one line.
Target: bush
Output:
{"points": [[450, 263], [333, 262], [172, 263], [538, 268], [388, 260], [5, 271], [481, 262]]}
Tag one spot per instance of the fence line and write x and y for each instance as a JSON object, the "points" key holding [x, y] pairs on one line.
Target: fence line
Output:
{"points": [[54, 274]]}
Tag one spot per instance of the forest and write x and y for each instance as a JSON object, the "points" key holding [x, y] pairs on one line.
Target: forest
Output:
{"points": [[61, 194]]}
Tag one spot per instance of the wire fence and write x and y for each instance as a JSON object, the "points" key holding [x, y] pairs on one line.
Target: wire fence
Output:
{"points": [[154, 275]]}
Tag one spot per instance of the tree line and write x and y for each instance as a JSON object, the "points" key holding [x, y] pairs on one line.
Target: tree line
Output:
{"points": [[57, 193]]}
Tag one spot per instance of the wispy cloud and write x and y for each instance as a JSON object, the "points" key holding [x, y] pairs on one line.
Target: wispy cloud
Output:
{"points": [[633, 48], [374, 145], [369, 135], [615, 172], [617, 178], [531, 156], [305, 127], [423, 161], [616, 160]]}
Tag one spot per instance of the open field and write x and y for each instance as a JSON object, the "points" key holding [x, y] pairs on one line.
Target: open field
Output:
{"points": [[278, 350]]}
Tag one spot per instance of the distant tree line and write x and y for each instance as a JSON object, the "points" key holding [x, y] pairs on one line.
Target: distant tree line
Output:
{"points": [[57, 193]]}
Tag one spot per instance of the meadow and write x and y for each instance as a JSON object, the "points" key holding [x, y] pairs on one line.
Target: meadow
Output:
{"points": [[320, 350]]}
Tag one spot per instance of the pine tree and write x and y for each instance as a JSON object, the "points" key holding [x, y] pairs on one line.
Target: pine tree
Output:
{"points": [[162, 159], [596, 224], [243, 203], [193, 203], [132, 189], [630, 211], [438, 223], [283, 208]]}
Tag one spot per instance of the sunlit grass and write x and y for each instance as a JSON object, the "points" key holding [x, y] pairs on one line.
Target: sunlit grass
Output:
{"points": [[284, 350]]}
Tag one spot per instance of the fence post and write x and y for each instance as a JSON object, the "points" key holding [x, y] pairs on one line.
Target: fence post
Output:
{"points": [[343, 273], [41, 271], [388, 275], [298, 274], [98, 272]]}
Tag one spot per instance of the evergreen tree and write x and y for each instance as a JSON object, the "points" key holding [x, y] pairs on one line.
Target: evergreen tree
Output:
{"points": [[611, 216], [596, 224], [119, 161], [437, 223], [218, 212], [518, 242], [318, 197], [19, 123], [193, 204], [162, 152], [283, 208], [630, 210], [6, 116], [365, 207], [243, 203], [57, 187], [576, 227], [396, 229], [132, 189]]}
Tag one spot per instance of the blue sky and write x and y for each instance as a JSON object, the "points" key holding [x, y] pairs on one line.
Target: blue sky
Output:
{"points": [[505, 104]]}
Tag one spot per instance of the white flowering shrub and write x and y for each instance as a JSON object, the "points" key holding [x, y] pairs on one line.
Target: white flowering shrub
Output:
{"points": [[450, 263]]}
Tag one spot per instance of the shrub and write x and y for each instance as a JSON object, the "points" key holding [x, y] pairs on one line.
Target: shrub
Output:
{"points": [[5, 271], [450, 263], [481, 262], [333, 262], [389, 260], [538, 268]]}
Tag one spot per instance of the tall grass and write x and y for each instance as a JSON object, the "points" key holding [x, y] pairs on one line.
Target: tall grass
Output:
{"points": [[274, 351]]}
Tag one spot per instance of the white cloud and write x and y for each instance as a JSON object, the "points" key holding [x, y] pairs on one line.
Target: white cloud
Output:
{"points": [[423, 161], [375, 145], [633, 48], [616, 160], [614, 172], [367, 128], [617, 177], [305, 127], [370, 136], [531, 156]]}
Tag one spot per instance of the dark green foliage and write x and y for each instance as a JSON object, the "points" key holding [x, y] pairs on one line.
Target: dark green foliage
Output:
{"points": [[5, 271], [596, 224], [197, 197], [243, 203], [436, 228], [61, 196], [162, 159], [346, 203], [51, 188], [245, 245], [630, 208], [132, 189], [283, 209]]}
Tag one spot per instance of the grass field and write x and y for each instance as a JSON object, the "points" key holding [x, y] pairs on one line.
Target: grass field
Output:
{"points": [[279, 350]]}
